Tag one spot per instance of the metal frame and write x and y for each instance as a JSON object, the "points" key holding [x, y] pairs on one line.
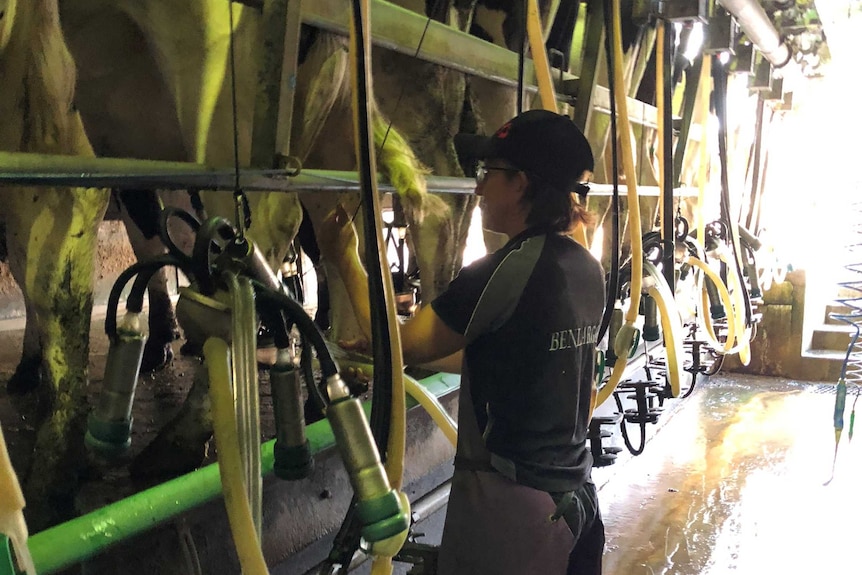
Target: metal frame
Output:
{"points": [[278, 57], [587, 85], [25, 169]]}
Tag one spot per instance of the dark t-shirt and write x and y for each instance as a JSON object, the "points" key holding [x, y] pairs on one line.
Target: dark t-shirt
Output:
{"points": [[530, 313]]}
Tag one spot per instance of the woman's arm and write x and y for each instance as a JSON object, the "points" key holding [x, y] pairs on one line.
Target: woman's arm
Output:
{"points": [[425, 338]]}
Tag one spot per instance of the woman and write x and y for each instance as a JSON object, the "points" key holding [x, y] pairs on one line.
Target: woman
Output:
{"points": [[522, 322]]}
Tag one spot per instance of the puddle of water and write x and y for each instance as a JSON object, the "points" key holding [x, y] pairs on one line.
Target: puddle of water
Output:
{"points": [[734, 483]]}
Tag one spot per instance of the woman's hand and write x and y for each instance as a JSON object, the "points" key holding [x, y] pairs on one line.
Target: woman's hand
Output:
{"points": [[337, 236]]}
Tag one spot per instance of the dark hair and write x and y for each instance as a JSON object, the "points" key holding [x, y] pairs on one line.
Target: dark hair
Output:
{"points": [[553, 210]]}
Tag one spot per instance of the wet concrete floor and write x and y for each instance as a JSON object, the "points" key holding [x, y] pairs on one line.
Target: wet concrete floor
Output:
{"points": [[737, 481], [733, 479]]}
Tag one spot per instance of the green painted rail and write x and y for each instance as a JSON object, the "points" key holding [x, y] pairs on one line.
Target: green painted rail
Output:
{"points": [[79, 539]]}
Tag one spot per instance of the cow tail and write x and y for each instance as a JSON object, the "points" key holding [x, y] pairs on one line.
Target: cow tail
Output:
{"points": [[402, 168]]}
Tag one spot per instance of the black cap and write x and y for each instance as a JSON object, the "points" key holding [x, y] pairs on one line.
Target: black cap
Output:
{"points": [[539, 142]]}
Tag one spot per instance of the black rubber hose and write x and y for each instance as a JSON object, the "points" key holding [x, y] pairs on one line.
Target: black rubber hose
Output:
{"points": [[144, 270], [667, 159], [297, 314], [613, 285], [381, 399], [624, 430], [720, 80]]}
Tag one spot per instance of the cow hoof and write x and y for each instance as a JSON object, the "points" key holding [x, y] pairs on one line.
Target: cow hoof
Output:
{"points": [[27, 377], [156, 356], [189, 349], [164, 459]]}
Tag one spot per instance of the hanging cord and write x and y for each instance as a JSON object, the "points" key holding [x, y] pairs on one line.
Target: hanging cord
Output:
{"points": [[664, 87], [720, 79], [522, 48], [434, 10], [614, 273], [242, 209]]}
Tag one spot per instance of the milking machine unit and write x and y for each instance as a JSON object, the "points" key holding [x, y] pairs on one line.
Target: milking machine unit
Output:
{"points": [[231, 286], [667, 261]]}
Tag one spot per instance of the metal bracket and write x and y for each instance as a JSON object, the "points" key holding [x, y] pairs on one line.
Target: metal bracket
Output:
{"points": [[721, 33]]}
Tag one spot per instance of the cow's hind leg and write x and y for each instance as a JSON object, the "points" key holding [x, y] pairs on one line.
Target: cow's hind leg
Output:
{"points": [[28, 374], [140, 212], [52, 240]]}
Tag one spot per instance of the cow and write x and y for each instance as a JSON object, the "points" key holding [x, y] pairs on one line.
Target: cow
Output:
{"points": [[51, 239], [152, 52]]}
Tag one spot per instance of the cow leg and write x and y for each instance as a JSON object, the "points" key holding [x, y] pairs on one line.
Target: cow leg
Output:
{"points": [[438, 225], [52, 240], [139, 211], [319, 205], [28, 375]]}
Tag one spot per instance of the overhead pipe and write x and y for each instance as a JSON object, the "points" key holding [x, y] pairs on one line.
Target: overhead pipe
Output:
{"points": [[759, 29]]}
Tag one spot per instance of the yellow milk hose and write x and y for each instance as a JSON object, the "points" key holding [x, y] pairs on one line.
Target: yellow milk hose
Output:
{"points": [[671, 322], [427, 400], [12, 523], [628, 334], [743, 332], [217, 359], [540, 58], [735, 323], [671, 325], [382, 551], [432, 405], [547, 94], [703, 164], [723, 292]]}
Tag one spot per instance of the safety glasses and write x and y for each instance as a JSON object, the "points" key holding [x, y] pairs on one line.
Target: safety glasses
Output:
{"points": [[482, 171]]}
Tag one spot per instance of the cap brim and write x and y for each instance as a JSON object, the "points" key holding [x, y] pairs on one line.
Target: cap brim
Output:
{"points": [[471, 147]]}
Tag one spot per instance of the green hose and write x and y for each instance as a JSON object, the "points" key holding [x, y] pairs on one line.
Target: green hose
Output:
{"points": [[82, 538]]}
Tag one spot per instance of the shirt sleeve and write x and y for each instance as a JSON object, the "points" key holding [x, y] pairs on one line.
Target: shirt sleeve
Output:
{"points": [[485, 294], [455, 306]]}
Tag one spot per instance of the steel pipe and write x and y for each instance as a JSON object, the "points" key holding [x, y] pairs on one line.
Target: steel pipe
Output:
{"points": [[25, 169], [759, 29]]}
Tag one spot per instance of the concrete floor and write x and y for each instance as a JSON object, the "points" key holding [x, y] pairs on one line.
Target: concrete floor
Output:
{"points": [[733, 479], [735, 482]]}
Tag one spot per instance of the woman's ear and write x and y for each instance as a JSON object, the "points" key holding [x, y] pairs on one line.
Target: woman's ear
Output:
{"points": [[523, 181]]}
